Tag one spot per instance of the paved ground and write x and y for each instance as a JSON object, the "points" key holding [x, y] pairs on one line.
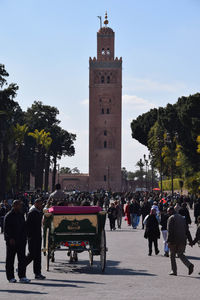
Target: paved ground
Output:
{"points": [[130, 274]]}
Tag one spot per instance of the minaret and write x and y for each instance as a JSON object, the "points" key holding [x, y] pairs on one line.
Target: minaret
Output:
{"points": [[105, 94]]}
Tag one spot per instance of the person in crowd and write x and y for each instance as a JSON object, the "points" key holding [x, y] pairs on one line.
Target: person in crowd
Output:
{"points": [[197, 234], [107, 203], [85, 202], [152, 232], [177, 207], [134, 211], [197, 210], [112, 215], [34, 234], [15, 237], [127, 213], [7, 206], [155, 206], [145, 210], [118, 207], [2, 215], [185, 212], [178, 233], [58, 197], [163, 223]]}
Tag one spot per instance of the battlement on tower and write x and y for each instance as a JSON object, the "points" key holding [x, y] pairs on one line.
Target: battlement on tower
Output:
{"points": [[113, 64], [94, 59]]}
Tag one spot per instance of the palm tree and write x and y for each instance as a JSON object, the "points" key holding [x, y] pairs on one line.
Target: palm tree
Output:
{"points": [[140, 164], [19, 135], [43, 142], [47, 143]]}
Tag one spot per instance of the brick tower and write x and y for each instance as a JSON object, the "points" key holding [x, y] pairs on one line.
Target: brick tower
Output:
{"points": [[105, 110]]}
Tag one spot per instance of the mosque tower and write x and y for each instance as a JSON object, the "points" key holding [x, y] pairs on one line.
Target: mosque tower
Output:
{"points": [[105, 114]]}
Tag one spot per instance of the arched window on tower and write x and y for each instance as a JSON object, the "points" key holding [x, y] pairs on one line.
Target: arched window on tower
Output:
{"points": [[104, 178], [102, 111], [102, 79], [108, 51], [105, 144], [108, 111], [105, 132], [108, 79], [103, 51]]}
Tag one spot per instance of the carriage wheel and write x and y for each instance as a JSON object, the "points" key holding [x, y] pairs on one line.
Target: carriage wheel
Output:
{"points": [[70, 257], [90, 258], [47, 248], [103, 250], [52, 257], [75, 256]]}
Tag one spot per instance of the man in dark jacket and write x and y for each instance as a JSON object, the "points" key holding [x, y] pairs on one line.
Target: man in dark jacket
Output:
{"points": [[178, 233], [134, 213], [112, 215], [33, 223], [145, 210], [197, 210], [15, 237], [2, 215], [152, 232]]}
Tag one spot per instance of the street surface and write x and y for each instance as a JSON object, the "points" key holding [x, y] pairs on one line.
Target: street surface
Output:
{"points": [[130, 273]]}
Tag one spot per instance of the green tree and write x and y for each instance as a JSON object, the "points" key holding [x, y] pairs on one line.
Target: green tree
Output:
{"points": [[10, 113], [181, 120], [75, 170], [40, 116], [43, 142], [198, 142], [141, 126], [65, 170], [62, 145]]}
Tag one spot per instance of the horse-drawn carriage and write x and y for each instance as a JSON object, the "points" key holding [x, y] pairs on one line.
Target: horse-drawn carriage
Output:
{"points": [[75, 229]]}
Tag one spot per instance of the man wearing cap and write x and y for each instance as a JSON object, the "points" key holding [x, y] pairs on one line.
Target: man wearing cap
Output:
{"points": [[15, 237], [178, 233], [34, 234]]}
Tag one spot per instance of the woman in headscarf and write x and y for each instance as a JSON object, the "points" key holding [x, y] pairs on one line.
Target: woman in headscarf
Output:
{"points": [[152, 232]]}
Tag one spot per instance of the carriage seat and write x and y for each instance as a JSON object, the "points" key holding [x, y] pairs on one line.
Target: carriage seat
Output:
{"points": [[70, 210]]}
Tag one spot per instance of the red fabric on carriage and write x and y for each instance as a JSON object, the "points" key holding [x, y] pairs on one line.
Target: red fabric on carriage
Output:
{"points": [[74, 209]]}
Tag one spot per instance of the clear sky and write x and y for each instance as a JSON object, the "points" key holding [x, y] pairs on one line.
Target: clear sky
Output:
{"points": [[46, 44]]}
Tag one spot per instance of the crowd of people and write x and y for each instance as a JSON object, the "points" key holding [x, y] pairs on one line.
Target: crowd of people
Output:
{"points": [[20, 220], [160, 214]]}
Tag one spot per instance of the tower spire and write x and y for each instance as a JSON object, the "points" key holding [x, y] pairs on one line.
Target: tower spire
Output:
{"points": [[106, 19]]}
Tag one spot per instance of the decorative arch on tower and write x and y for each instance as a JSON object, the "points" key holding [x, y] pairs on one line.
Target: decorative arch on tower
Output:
{"points": [[105, 140]]}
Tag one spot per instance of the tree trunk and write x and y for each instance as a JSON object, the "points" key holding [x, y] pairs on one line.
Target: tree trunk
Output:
{"points": [[46, 180], [36, 171], [1, 173], [54, 173], [17, 180], [4, 169], [41, 169]]}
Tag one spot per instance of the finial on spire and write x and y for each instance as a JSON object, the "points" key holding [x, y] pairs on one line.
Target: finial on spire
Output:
{"points": [[106, 19], [100, 21]]}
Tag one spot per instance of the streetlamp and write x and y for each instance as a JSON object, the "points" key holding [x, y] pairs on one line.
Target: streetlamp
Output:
{"points": [[19, 146], [152, 171], [161, 163], [141, 171], [58, 165], [146, 164], [108, 169], [170, 140]]}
